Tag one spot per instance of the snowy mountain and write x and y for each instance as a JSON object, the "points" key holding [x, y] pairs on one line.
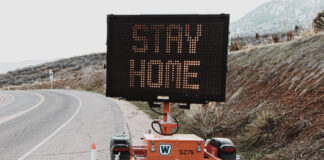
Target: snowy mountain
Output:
{"points": [[277, 16]]}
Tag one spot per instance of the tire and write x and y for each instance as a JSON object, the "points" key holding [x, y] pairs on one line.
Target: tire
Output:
{"points": [[123, 156]]}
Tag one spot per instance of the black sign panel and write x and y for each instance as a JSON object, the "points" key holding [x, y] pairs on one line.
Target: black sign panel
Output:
{"points": [[175, 58]]}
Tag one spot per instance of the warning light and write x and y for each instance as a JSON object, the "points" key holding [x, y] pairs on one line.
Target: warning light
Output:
{"points": [[229, 150], [120, 149]]}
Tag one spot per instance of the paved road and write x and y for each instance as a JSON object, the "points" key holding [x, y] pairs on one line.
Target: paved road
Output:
{"points": [[56, 124]]}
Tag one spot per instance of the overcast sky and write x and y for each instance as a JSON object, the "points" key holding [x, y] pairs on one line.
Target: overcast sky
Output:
{"points": [[51, 29]]}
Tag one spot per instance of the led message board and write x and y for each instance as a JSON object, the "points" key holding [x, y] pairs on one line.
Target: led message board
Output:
{"points": [[175, 58]]}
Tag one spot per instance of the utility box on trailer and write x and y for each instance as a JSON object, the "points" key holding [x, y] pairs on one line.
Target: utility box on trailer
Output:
{"points": [[178, 146]]}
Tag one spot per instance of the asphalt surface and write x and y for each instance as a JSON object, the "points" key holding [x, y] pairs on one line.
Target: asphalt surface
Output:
{"points": [[56, 124]]}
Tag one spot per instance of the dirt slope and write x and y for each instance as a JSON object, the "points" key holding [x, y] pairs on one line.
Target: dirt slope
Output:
{"points": [[275, 96]]}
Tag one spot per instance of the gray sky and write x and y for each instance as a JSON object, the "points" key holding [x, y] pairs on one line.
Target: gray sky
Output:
{"points": [[51, 29]]}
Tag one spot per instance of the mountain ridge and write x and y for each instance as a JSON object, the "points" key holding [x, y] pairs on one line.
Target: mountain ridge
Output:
{"points": [[277, 16], [12, 66]]}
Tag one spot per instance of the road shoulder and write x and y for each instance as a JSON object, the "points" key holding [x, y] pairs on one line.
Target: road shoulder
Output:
{"points": [[137, 122]]}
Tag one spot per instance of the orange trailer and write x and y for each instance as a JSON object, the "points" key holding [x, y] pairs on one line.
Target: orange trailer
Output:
{"points": [[170, 146], [176, 147]]}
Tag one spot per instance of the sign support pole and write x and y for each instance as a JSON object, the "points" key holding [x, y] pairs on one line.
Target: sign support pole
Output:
{"points": [[51, 77], [166, 125]]}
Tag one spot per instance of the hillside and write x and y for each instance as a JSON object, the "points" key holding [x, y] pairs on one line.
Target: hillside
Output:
{"points": [[63, 69], [5, 67], [284, 85], [275, 102], [275, 15], [275, 97]]}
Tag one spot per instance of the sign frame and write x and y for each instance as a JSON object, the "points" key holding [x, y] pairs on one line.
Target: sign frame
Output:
{"points": [[111, 19]]}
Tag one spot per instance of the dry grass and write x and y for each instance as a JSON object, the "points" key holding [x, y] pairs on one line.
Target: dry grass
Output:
{"points": [[286, 79], [295, 129], [249, 48], [311, 148], [261, 130], [203, 122], [305, 33]]}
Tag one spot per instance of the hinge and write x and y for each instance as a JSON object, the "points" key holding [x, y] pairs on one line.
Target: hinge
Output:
{"points": [[152, 147], [199, 148]]}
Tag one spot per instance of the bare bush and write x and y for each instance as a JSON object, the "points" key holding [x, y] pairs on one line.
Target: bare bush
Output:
{"points": [[260, 130], [93, 79], [318, 22], [290, 35], [257, 36], [204, 122], [236, 46], [297, 30], [87, 78], [275, 39]]}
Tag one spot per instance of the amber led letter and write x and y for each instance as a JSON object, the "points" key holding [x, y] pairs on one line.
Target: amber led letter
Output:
{"points": [[171, 67], [136, 37], [157, 28], [133, 73], [187, 74], [193, 40], [171, 38], [149, 73]]}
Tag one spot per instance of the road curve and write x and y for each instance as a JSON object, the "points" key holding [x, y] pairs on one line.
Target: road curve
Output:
{"points": [[6, 99], [56, 124]]}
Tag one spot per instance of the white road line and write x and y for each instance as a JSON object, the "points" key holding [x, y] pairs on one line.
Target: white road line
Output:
{"points": [[5, 103], [11, 117], [57, 130]]}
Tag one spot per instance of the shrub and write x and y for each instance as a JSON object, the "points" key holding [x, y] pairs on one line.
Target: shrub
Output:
{"points": [[236, 46], [297, 30], [260, 130], [290, 35], [204, 122], [275, 39], [87, 77], [257, 36], [318, 22]]}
